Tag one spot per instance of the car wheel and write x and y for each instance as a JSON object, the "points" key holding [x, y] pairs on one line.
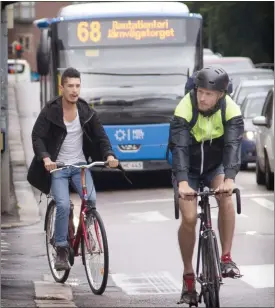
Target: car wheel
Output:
{"points": [[269, 176], [260, 176]]}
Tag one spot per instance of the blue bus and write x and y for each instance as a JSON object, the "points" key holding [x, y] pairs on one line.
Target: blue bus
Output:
{"points": [[134, 60]]}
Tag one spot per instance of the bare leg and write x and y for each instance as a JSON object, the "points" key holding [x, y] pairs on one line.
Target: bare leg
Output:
{"points": [[226, 218], [187, 233]]}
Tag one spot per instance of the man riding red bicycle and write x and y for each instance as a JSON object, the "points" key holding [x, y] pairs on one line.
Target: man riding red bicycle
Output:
{"points": [[205, 141], [67, 130]]}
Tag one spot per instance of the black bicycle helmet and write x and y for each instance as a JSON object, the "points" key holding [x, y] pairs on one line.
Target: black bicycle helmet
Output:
{"points": [[212, 78]]}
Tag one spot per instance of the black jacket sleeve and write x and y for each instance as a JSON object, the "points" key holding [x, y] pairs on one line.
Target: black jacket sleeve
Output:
{"points": [[39, 134], [233, 134], [101, 137], [179, 140]]}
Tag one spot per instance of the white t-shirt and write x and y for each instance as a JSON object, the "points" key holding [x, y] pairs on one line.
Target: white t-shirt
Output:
{"points": [[71, 151]]}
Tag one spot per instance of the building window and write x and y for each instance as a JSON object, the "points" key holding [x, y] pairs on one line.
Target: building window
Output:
{"points": [[24, 11], [25, 41]]}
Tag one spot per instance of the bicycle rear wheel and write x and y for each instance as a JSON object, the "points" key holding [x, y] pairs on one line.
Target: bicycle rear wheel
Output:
{"points": [[210, 269], [97, 248], [59, 276]]}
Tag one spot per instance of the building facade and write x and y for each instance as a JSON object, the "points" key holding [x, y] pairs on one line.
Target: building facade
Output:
{"points": [[25, 32]]}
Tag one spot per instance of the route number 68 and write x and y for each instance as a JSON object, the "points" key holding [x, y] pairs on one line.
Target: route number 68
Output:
{"points": [[89, 31]]}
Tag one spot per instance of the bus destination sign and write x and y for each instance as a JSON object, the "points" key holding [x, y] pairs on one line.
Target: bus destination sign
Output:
{"points": [[126, 32]]}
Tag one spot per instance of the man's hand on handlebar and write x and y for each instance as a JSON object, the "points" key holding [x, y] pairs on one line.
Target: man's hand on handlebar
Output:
{"points": [[226, 188], [49, 164], [112, 162], [186, 192]]}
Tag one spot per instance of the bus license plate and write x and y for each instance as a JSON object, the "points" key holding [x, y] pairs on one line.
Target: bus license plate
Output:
{"points": [[132, 165]]}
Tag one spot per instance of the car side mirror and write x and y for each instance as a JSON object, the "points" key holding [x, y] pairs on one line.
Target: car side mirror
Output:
{"points": [[260, 121]]}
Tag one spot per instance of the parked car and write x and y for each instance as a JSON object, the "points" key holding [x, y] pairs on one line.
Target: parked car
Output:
{"points": [[18, 70], [251, 107], [251, 86], [265, 143], [229, 63], [249, 74]]}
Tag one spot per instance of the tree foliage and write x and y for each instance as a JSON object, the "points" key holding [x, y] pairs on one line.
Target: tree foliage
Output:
{"points": [[238, 28]]}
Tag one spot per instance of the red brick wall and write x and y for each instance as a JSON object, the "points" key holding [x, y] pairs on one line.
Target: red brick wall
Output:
{"points": [[42, 10]]}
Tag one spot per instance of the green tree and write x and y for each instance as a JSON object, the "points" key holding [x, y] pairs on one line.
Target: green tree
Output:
{"points": [[238, 28]]}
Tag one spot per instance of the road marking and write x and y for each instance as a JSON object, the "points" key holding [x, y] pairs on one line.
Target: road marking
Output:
{"points": [[258, 276], [148, 217], [147, 283], [264, 202], [250, 232]]}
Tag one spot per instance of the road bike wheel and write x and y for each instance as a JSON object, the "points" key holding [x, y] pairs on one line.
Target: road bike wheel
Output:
{"points": [[98, 247], [210, 271], [59, 276]]}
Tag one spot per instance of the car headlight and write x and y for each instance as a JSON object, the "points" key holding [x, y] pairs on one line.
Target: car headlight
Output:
{"points": [[250, 135]]}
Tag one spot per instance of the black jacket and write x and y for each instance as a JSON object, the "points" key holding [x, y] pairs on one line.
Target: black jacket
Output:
{"points": [[191, 155], [49, 132]]}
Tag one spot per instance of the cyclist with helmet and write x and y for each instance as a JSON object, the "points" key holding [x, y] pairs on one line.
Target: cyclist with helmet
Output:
{"points": [[205, 141], [191, 83]]}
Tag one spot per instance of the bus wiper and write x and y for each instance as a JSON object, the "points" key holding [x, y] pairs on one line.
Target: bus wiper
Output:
{"points": [[133, 74], [97, 101]]}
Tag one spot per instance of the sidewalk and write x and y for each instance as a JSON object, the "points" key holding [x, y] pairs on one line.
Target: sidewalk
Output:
{"points": [[25, 211]]}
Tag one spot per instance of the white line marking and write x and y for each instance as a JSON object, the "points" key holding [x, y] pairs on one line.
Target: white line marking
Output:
{"points": [[2, 250], [250, 232], [258, 276], [264, 202], [148, 217]]}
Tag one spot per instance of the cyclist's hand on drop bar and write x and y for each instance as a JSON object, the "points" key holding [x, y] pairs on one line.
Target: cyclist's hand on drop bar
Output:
{"points": [[112, 162], [226, 188], [49, 164], [186, 192]]}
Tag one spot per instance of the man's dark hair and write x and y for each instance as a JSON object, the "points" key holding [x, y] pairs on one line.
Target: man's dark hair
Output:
{"points": [[69, 73]]}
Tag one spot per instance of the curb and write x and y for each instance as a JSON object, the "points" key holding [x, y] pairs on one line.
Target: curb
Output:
{"points": [[28, 209]]}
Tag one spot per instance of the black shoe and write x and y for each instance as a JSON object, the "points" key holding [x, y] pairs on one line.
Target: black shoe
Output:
{"points": [[61, 262], [189, 294]]}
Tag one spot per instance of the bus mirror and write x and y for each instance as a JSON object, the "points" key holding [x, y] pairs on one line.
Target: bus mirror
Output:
{"points": [[43, 54]]}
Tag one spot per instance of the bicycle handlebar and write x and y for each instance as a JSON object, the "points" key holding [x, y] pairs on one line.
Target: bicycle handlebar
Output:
{"points": [[212, 192], [60, 166]]}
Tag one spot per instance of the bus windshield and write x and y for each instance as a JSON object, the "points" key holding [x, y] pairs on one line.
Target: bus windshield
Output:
{"points": [[129, 57]]}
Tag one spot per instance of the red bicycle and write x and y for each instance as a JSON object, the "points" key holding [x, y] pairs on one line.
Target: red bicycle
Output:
{"points": [[91, 244]]}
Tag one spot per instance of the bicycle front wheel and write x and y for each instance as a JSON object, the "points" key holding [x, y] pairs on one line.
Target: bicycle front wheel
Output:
{"points": [[210, 268], [95, 247], [59, 276]]}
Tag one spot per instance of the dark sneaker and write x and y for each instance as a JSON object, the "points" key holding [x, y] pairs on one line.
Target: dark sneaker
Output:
{"points": [[229, 268], [61, 262], [189, 294]]}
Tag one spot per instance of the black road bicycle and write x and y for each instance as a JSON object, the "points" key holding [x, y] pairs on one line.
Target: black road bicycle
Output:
{"points": [[210, 277]]}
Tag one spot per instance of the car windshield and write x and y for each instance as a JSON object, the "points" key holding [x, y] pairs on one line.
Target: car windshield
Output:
{"points": [[229, 65], [252, 89], [237, 77], [253, 107]]}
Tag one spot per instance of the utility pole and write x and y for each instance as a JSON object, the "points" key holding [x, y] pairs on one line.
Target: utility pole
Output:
{"points": [[5, 158]]}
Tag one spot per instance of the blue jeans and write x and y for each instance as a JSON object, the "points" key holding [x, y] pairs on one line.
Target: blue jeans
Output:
{"points": [[61, 194]]}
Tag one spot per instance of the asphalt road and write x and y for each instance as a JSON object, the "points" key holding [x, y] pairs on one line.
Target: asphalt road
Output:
{"points": [[145, 263]]}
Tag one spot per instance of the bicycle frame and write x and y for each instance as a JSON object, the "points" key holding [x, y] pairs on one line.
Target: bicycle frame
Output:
{"points": [[81, 229], [206, 230]]}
